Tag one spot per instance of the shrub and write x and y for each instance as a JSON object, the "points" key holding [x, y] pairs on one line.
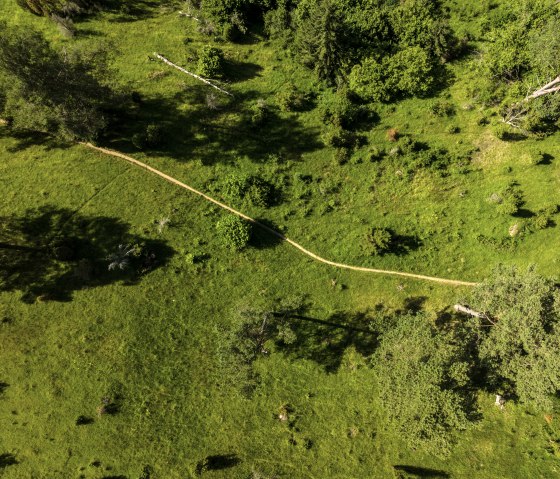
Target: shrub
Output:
{"points": [[210, 62], [442, 108], [512, 199], [259, 113], [543, 218], [337, 109], [379, 241], [152, 137], [257, 191], [341, 156], [234, 231], [290, 99], [338, 137]]}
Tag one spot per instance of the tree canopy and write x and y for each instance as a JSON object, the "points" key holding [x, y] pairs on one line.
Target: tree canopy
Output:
{"points": [[521, 347]]}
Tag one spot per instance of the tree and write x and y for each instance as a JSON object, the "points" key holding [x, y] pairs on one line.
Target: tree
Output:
{"points": [[520, 345], [51, 91], [409, 72], [318, 40], [379, 241], [421, 376]]}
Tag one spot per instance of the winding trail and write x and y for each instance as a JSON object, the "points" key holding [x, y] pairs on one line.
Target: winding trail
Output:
{"points": [[451, 282]]}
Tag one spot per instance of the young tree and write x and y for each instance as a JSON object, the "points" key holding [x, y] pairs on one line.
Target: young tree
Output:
{"points": [[50, 91], [520, 345]]}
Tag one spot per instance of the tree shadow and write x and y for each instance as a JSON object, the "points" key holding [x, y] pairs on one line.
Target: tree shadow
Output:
{"points": [[3, 387], [547, 159], [219, 134], [25, 140], [261, 238], [217, 463], [419, 472], [523, 213], [402, 244], [414, 304], [7, 459], [236, 71], [131, 10], [325, 341], [50, 252]]}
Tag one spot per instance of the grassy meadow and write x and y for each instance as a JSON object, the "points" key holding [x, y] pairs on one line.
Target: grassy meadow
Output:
{"points": [[152, 348]]}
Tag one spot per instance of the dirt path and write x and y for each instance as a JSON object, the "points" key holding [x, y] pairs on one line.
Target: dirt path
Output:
{"points": [[117, 154]]}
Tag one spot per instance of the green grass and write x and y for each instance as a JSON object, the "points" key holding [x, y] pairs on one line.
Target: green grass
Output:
{"points": [[156, 344]]}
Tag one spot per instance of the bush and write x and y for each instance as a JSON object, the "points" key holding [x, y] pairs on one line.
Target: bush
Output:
{"points": [[210, 62], [259, 113], [290, 99], [151, 138], [442, 108], [543, 218], [379, 241], [341, 156], [338, 110], [234, 231], [338, 137], [511, 200], [257, 191]]}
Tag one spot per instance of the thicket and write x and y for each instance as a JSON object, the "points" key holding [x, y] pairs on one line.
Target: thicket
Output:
{"points": [[383, 50]]}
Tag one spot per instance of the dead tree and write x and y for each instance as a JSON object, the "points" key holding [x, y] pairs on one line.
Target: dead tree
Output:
{"points": [[517, 112], [194, 75]]}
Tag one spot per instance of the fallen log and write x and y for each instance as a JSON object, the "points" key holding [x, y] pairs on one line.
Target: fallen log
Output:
{"points": [[471, 312], [194, 75]]}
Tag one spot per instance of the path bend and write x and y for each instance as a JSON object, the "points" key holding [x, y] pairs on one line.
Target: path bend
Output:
{"points": [[117, 154]]}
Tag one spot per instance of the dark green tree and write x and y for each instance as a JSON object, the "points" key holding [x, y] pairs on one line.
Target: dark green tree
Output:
{"points": [[319, 37]]}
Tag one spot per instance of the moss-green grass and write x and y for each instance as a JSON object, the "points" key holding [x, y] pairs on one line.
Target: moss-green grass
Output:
{"points": [[156, 343]]}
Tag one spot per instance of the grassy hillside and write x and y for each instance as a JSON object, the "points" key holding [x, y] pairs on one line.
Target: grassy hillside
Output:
{"points": [[150, 351]]}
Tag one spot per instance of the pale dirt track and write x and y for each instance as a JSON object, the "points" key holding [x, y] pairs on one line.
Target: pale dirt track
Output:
{"points": [[422, 277]]}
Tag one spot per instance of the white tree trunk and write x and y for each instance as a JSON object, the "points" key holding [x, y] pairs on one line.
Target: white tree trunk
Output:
{"points": [[194, 75]]}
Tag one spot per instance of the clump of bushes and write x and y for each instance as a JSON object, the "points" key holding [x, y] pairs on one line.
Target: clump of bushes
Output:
{"points": [[379, 241], [543, 218], [253, 189], [151, 137], [210, 62], [234, 232]]}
